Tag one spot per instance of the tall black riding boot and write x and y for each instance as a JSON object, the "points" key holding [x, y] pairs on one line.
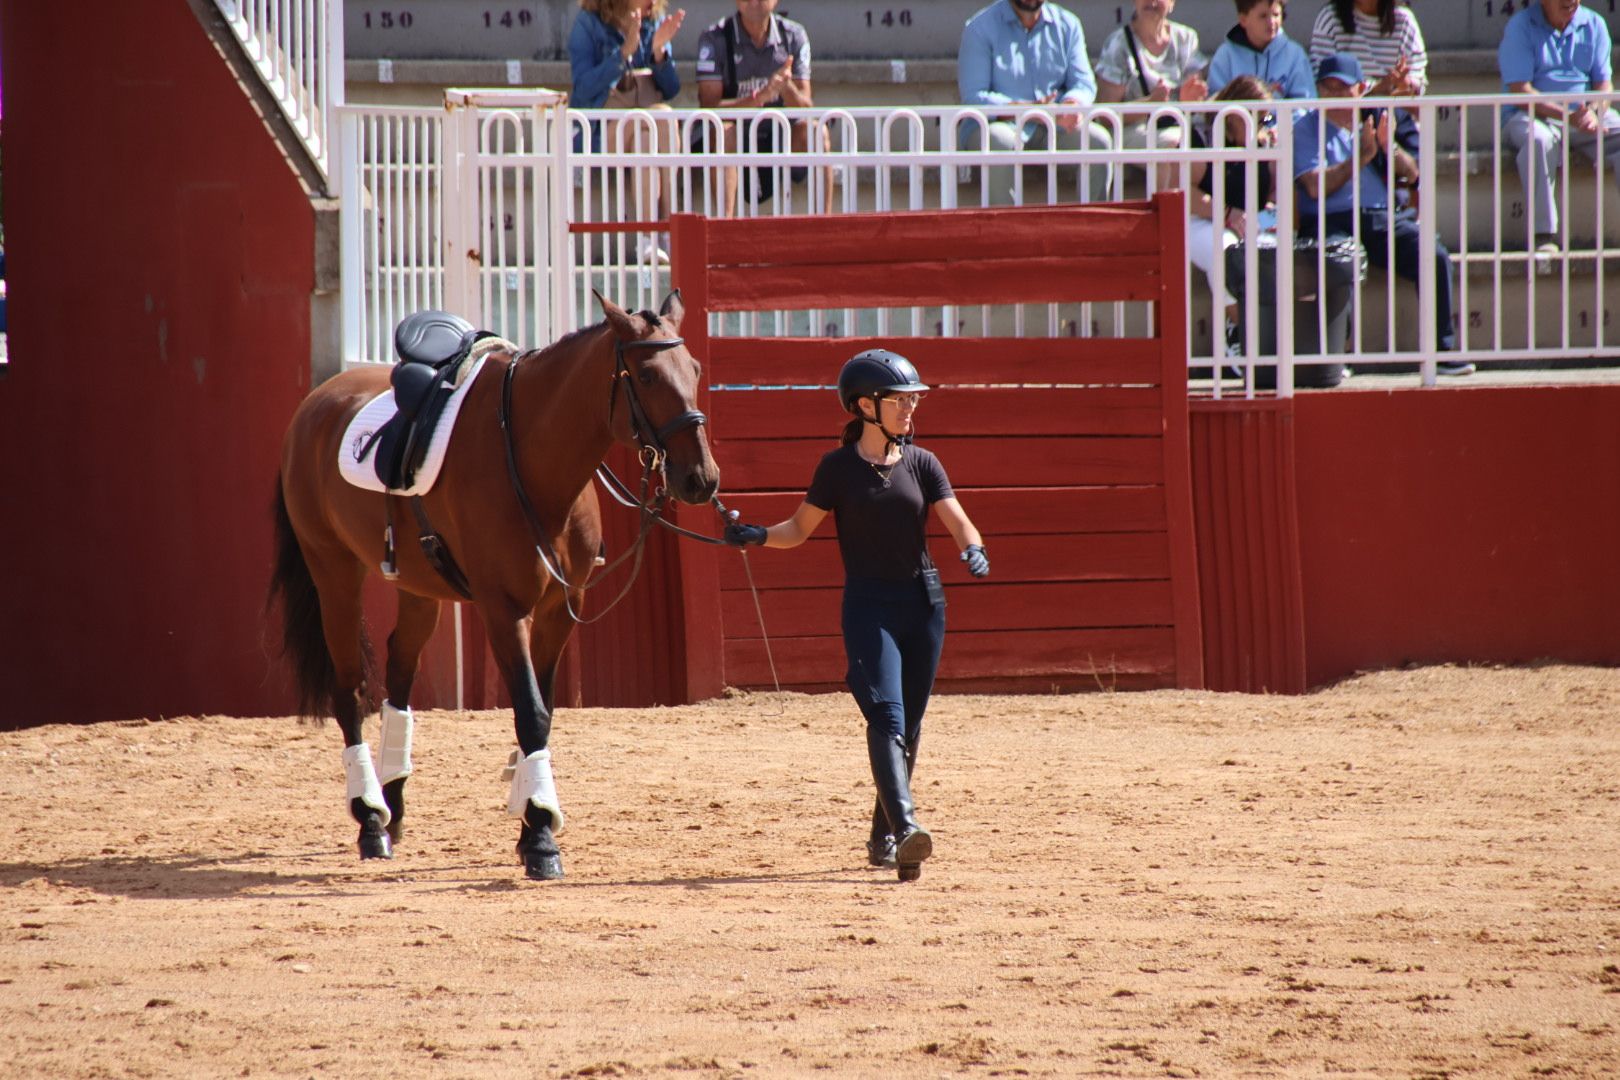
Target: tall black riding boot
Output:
{"points": [[880, 846], [893, 780]]}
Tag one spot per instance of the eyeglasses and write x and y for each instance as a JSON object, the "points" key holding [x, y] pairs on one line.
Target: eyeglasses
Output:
{"points": [[904, 401]]}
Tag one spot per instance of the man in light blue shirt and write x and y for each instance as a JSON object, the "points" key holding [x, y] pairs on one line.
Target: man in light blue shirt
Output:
{"points": [[1025, 53], [1555, 47]]}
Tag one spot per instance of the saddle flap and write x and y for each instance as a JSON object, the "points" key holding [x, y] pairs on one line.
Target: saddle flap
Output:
{"points": [[413, 385]]}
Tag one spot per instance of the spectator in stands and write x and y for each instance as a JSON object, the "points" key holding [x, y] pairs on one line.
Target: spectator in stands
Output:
{"points": [[620, 58], [1213, 227], [1151, 59], [756, 59], [1258, 46], [1556, 47], [1024, 53], [1339, 166], [1382, 34]]}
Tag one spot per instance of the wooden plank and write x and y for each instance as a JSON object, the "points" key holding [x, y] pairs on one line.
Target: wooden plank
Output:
{"points": [[814, 239], [1172, 317], [698, 565], [793, 414], [757, 465], [942, 361], [1057, 557], [970, 655], [1006, 511], [1038, 280], [986, 605], [1248, 551]]}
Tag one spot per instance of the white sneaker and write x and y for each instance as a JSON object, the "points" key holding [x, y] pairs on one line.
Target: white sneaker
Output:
{"points": [[1546, 253], [650, 252]]}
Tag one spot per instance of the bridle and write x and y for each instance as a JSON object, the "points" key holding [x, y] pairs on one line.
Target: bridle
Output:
{"points": [[652, 449]]}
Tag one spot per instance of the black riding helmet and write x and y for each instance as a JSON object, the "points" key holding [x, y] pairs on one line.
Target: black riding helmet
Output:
{"points": [[876, 372]]}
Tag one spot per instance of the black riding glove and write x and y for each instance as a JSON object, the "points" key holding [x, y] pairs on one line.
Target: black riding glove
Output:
{"points": [[978, 563], [743, 535]]}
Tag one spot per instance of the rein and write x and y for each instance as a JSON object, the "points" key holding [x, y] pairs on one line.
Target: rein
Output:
{"points": [[651, 442]]}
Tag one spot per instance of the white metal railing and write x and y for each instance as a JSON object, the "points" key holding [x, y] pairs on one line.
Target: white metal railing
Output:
{"points": [[543, 204], [297, 48]]}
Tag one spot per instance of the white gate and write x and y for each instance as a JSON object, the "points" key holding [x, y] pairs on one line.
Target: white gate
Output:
{"points": [[463, 209]]}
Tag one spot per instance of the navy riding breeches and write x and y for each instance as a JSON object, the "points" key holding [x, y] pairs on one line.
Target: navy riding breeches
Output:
{"points": [[892, 636]]}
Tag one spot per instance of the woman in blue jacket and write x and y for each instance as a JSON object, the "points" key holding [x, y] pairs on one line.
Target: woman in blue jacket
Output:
{"points": [[620, 57]]}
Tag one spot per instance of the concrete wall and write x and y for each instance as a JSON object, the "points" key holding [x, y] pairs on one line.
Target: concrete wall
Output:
{"points": [[160, 265]]}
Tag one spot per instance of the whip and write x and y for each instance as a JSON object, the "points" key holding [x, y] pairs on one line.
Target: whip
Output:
{"points": [[731, 517]]}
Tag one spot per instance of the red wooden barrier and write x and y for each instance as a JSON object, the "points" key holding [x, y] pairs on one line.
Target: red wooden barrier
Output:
{"points": [[1074, 464]]}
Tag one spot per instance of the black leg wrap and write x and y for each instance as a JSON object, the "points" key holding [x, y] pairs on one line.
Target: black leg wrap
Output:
{"points": [[537, 848], [893, 780], [394, 796], [374, 842]]}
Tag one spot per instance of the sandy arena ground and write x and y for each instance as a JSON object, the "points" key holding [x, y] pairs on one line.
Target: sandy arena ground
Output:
{"points": [[1413, 874]]}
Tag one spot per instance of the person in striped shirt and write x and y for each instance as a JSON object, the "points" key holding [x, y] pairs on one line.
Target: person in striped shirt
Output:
{"points": [[1383, 34]]}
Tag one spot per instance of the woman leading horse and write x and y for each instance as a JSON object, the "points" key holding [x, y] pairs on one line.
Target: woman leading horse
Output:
{"points": [[515, 508]]}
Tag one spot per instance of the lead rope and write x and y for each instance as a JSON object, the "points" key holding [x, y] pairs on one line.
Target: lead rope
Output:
{"points": [[759, 613]]}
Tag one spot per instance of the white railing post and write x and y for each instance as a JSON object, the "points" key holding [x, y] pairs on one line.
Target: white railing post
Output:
{"points": [[463, 255], [559, 262], [1285, 260], [351, 238], [1428, 223], [333, 93]]}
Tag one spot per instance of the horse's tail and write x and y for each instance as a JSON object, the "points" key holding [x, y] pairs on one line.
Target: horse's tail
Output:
{"points": [[303, 639]]}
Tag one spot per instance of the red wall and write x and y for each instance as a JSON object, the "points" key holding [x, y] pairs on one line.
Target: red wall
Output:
{"points": [[160, 257], [1462, 525]]}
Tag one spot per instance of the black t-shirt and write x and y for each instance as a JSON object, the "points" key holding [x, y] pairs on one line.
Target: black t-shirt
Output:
{"points": [[880, 526], [1236, 176]]}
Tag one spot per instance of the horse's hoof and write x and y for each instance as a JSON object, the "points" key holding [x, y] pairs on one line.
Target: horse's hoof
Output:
{"points": [[538, 866], [374, 842], [910, 871]]}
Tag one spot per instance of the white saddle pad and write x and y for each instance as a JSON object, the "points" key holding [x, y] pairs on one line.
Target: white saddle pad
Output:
{"points": [[360, 469]]}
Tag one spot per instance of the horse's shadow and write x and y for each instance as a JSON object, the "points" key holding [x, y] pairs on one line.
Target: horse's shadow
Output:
{"points": [[184, 877], [833, 875], [205, 877]]}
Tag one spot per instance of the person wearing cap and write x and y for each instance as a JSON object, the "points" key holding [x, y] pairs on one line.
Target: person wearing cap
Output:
{"points": [[1561, 50], [1340, 164], [879, 486]]}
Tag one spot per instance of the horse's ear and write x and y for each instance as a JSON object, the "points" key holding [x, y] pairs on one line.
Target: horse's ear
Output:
{"points": [[623, 322], [673, 310]]}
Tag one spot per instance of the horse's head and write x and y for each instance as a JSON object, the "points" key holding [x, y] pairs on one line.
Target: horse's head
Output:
{"points": [[654, 401]]}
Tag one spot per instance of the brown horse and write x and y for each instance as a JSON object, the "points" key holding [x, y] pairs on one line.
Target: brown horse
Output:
{"points": [[514, 495]]}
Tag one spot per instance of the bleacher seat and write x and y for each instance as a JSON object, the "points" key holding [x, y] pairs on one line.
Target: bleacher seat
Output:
{"points": [[839, 29]]}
